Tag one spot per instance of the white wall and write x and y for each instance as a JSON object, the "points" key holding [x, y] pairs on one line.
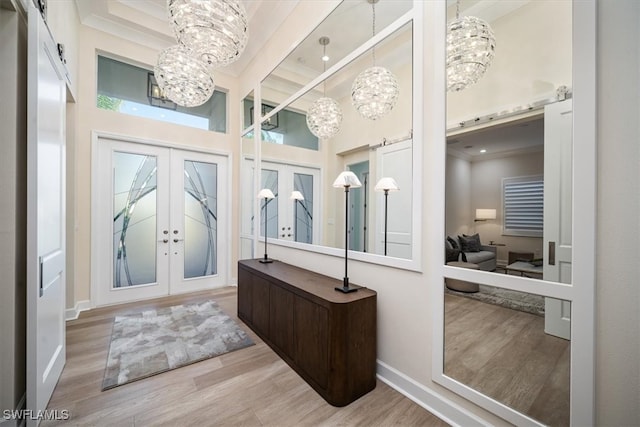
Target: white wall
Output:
{"points": [[618, 232], [521, 71], [458, 217], [486, 192], [63, 21], [91, 118]]}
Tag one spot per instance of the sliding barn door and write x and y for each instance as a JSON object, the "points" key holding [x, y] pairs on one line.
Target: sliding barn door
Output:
{"points": [[46, 215]]}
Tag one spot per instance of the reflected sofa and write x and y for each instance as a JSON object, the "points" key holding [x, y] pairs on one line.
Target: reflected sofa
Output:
{"points": [[484, 257]]}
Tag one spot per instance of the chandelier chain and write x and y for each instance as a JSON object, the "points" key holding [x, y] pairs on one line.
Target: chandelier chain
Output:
{"points": [[457, 9], [373, 50]]}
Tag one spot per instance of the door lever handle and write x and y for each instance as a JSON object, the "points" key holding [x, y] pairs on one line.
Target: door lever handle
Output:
{"points": [[177, 240], [552, 253]]}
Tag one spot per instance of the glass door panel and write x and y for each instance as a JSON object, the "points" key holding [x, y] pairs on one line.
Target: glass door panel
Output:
{"points": [[303, 209], [134, 219], [200, 219]]}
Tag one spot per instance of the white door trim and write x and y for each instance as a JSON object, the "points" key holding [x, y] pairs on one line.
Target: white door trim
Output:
{"points": [[96, 135]]}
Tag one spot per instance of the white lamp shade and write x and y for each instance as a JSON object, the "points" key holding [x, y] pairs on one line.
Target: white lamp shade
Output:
{"points": [[265, 193], [296, 195], [386, 184], [485, 214], [347, 179]]}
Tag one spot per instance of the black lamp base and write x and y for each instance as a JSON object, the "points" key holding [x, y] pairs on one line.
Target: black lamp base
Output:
{"points": [[266, 260], [345, 287], [345, 290]]}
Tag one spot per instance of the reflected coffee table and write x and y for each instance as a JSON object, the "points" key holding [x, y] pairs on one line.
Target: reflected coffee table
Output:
{"points": [[525, 268]]}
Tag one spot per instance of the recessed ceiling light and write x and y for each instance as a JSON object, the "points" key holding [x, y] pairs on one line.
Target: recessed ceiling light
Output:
{"points": [[483, 150], [325, 58]]}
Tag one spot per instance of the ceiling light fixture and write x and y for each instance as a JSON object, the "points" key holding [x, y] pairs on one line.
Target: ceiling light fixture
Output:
{"points": [[375, 90], [216, 30], [470, 50], [183, 79], [325, 115]]}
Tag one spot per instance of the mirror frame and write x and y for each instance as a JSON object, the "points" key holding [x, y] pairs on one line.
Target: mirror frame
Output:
{"points": [[581, 291], [415, 263]]}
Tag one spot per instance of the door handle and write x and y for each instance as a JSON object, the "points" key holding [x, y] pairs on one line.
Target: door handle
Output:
{"points": [[552, 253], [177, 240], [164, 240]]}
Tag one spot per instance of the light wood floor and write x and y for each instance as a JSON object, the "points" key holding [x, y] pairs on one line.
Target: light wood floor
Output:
{"points": [[505, 354], [252, 386]]}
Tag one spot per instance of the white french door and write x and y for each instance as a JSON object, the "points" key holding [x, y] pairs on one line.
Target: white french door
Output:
{"points": [[161, 216], [290, 219]]}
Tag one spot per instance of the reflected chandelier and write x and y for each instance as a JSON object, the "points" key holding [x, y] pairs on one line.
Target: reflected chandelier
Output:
{"points": [[216, 30], [470, 49], [325, 115], [183, 78], [375, 90]]}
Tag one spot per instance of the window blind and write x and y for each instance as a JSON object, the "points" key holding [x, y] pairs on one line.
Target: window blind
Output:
{"points": [[523, 202]]}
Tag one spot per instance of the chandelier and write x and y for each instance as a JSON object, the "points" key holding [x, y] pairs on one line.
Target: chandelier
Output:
{"points": [[470, 50], [216, 30], [375, 90], [183, 78], [324, 115]]}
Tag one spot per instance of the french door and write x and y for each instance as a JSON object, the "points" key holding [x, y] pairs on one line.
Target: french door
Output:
{"points": [[162, 221], [291, 219]]}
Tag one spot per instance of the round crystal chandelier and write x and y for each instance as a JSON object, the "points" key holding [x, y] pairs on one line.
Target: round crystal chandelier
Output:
{"points": [[324, 118], [216, 30], [375, 91], [325, 115], [183, 78], [470, 49]]}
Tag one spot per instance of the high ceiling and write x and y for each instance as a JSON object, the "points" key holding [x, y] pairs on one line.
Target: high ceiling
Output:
{"points": [[146, 22]]}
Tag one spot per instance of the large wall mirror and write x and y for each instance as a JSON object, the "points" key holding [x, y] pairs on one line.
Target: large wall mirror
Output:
{"points": [[508, 212], [292, 159]]}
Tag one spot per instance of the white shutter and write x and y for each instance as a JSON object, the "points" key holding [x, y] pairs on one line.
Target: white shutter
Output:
{"points": [[523, 206]]}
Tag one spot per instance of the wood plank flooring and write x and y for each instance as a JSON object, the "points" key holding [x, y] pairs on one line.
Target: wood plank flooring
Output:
{"points": [[251, 387], [505, 354]]}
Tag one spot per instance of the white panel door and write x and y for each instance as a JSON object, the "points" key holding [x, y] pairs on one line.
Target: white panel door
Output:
{"points": [[46, 216], [395, 161], [558, 140], [198, 232], [131, 242]]}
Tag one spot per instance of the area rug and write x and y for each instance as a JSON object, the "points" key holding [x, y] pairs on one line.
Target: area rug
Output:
{"points": [[155, 341], [514, 300]]}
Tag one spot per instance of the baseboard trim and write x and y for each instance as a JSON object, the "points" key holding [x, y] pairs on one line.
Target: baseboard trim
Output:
{"points": [[73, 313], [443, 408]]}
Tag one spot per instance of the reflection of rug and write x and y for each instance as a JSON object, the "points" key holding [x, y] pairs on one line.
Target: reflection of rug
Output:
{"points": [[156, 341], [515, 300]]}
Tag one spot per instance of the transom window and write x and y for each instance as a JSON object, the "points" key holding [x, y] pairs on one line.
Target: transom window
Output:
{"points": [[130, 90]]}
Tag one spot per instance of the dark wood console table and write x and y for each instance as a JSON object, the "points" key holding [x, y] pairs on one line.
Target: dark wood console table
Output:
{"points": [[327, 337]]}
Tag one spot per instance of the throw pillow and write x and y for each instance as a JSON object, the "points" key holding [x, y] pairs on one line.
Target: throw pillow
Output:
{"points": [[469, 243], [453, 243], [452, 254]]}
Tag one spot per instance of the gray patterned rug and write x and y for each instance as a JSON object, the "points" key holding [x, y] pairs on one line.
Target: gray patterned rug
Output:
{"points": [[515, 300], [156, 341]]}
